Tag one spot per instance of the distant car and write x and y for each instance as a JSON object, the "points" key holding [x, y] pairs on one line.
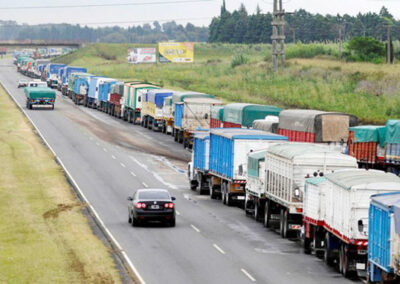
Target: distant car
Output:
{"points": [[151, 204], [37, 83], [22, 83]]}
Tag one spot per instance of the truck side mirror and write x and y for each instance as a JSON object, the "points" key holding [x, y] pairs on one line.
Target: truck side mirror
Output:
{"points": [[360, 226]]}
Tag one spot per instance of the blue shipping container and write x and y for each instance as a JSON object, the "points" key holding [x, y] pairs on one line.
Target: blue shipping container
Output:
{"points": [[157, 96], [379, 233], [69, 70], [222, 147], [82, 81], [179, 109], [53, 69], [104, 90], [200, 150], [93, 86]]}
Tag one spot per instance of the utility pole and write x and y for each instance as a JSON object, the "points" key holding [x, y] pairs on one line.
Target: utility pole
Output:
{"points": [[278, 35], [340, 41], [388, 46]]}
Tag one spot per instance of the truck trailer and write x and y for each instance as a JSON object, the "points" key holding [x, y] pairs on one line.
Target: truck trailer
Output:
{"points": [[242, 115], [151, 113], [37, 96], [134, 94]]}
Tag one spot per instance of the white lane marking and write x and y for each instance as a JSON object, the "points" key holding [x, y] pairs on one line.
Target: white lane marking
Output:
{"points": [[144, 184], [119, 247], [140, 164], [97, 143], [105, 150], [218, 248], [132, 173], [112, 156], [122, 165], [90, 137], [177, 213], [248, 275], [195, 228]]}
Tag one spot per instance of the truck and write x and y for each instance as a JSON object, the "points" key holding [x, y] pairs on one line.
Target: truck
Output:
{"points": [[151, 113], [384, 238], [216, 117], [80, 83], [239, 115], [168, 116], [337, 218], [59, 77], [104, 93], [74, 86], [196, 114], [93, 93], [228, 160], [314, 126], [287, 166], [52, 73], [133, 101], [67, 72], [37, 96], [178, 108], [116, 99], [366, 144]]}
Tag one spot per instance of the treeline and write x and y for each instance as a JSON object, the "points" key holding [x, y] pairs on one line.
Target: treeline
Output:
{"points": [[145, 33], [240, 27]]}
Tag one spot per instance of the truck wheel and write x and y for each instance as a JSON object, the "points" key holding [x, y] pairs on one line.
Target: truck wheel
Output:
{"points": [[212, 191], [267, 214], [257, 211], [52, 107], [345, 261], [246, 206], [223, 197], [306, 245], [328, 259], [283, 228], [175, 136]]}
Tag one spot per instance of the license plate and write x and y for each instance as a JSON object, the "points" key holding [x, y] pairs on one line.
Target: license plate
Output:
{"points": [[360, 266], [240, 197], [155, 207]]}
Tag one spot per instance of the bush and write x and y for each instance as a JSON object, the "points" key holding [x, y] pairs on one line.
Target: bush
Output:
{"points": [[365, 49], [239, 59], [308, 50]]}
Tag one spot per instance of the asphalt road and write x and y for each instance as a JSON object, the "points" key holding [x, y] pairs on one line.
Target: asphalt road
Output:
{"points": [[211, 243]]}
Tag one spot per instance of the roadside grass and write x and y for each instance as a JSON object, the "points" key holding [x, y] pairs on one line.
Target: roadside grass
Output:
{"points": [[44, 237], [313, 78]]}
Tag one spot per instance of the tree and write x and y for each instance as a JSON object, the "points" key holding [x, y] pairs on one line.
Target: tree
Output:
{"points": [[365, 49]]}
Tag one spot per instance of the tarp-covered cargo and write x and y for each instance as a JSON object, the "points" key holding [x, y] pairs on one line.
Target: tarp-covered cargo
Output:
{"points": [[39, 93], [118, 89], [253, 163], [315, 126], [179, 97], [197, 111], [392, 142], [269, 124], [217, 116], [243, 115]]}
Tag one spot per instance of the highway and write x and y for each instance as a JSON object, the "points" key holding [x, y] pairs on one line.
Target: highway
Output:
{"points": [[109, 159]]}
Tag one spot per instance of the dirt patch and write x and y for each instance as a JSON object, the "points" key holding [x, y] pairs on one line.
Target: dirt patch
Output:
{"points": [[53, 213]]}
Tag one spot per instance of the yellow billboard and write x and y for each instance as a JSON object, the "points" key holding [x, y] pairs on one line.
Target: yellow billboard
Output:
{"points": [[176, 52]]}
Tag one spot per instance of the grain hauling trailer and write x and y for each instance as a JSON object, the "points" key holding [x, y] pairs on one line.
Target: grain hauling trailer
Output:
{"points": [[151, 113], [67, 72], [196, 114], [228, 159], [37, 96], [384, 238], [134, 94], [242, 115], [168, 115], [336, 216], [216, 117], [287, 167], [314, 126], [178, 109]]}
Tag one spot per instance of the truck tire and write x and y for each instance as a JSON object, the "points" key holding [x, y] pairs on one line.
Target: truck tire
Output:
{"points": [[223, 197], [175, 135], [212, 192], [345, 262], [246, 206], [258, 214], [52, 107], [267, 214], [306, 245], [283, 225], [328, 259]]}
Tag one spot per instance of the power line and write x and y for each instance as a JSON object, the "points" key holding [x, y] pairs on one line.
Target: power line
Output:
{"points": [[104, 5]]}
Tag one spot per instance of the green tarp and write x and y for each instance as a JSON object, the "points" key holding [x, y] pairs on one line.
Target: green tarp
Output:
{"points": [[245, 114], [217, 112], [253, 163], [178, 97], [368, 133], [39, 93], [393, 131]]}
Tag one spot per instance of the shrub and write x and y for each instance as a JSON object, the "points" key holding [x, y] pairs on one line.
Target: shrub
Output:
{"points": [[239, 59], [365, 49]]}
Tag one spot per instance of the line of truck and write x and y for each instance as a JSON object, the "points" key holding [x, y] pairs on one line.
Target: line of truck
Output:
{"points": [[308, 174]]}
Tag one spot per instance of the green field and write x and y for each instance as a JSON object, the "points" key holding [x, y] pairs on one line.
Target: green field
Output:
{"points": [[44, 237], [313, 78]]}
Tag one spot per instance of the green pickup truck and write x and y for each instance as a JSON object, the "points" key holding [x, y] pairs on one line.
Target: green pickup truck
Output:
{"points": [[39, 96]]}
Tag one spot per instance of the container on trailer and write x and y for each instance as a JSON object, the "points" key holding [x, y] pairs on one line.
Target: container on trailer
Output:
{"points": [[71, 69], [81, 88], [216, 117], [383, 237], [39, 96], [269, 124], [104, 89], [364, 144], [201, 149], [243, 115], [315, 126]]}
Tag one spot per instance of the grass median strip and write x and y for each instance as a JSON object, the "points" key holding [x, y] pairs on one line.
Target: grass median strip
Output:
{"points": [[44, 236]]}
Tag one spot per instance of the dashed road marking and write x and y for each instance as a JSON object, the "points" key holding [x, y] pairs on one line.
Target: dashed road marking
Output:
{"points": [[112, 156], [177, 213], [144, 184], [90, 137], [195, 228], [122, 165], [218, 248], [105, 150], [248, 275], [132, 173], [97, 143]]}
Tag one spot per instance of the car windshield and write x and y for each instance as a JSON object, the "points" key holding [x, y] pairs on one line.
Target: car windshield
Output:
{"points": [[153, 194]]}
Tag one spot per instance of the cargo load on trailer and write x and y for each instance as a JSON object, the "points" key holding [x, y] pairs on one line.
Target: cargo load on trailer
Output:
{"points": [[314, 126], [168, 115], [217, 116], [116, 99], [392, 144], [134, 95], [384, 238], [104, 94], [67, 72], [269, 124], [81, 88], [242, 115], [93, 92], [366, 144], [287, 167], [336, 216], [37, 96], [196, 114], [151, 113]]}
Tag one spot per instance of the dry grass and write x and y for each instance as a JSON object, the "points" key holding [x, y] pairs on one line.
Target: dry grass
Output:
{"points": [[44, 237]]}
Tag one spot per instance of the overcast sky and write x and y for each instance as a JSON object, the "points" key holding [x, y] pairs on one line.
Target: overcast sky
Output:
{"points": [[199, 13]]}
